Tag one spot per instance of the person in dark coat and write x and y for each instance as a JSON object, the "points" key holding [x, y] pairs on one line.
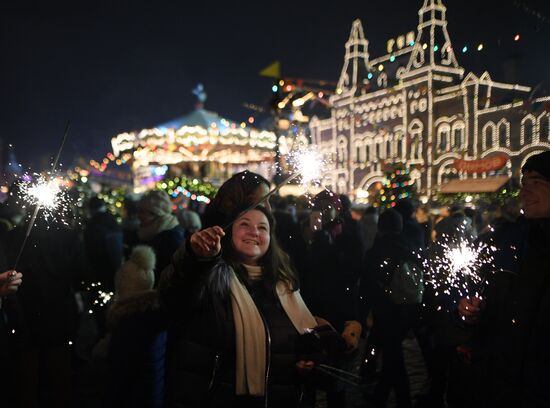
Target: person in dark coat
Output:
{"points": [[137, 336], [510, 352], [159, 228], [103, 241], [392, 321], [413, 233], [44, 316], [237, 319]]}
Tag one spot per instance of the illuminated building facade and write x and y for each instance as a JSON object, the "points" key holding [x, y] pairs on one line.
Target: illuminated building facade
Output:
{"points": [[417, 107]]}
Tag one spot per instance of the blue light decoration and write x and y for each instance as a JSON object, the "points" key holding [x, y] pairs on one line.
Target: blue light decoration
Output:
{"points": [[464, 49], [436, 47], [392, 58], [369, 76], [274, 88]]}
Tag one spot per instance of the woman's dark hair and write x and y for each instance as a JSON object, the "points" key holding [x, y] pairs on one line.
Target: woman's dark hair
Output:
{"points": [[276, 263], [236, 192]]}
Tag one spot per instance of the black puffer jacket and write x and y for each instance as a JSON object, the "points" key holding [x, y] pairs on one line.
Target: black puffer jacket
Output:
{"points": [[201, 339]]}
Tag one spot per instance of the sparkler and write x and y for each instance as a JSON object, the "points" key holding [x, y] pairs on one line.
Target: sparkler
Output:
{"points": [[459, 265], [307, 163], [45, 194]]}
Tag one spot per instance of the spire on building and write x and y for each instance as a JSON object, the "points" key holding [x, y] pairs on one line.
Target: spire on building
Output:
{"points": [[433, 49], [356, 62]]}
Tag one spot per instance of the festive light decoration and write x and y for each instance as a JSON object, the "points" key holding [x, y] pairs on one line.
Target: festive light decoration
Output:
{"points": [[398, 186], [192, 189], [424, 114]]}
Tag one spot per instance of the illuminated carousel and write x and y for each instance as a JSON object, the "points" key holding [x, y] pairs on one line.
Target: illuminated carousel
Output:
{"points": [[199, 145]]}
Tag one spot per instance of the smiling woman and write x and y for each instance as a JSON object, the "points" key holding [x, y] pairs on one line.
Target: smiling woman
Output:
{"points": [[241, 294]]}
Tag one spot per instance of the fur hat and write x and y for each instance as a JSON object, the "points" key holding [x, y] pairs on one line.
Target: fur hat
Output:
{"points": [[137, 273]]}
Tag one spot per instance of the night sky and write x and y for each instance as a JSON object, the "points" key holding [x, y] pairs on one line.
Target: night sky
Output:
{"points": [[124, 65]]}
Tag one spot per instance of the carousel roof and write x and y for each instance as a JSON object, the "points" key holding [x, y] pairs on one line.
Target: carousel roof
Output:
{"points": [[199, 117]]}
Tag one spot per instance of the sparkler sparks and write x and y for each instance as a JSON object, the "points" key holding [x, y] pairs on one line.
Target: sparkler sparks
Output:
{"points": [[49, 195], [309, 164], [459, 266]]}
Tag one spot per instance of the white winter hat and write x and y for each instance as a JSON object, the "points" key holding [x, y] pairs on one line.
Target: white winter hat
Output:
{"points": [[137, 273]]}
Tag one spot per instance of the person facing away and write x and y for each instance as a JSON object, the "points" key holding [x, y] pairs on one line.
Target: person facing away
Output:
{"points": [[412, 231], [103, 240], [510, 353], [159, 228], [238, 319], [392, 320], [137, 336]]}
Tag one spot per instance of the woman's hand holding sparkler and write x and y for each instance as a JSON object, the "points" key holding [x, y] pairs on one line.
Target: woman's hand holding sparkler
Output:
{"points": [[207, 243], [10, 282], [469, 308]]}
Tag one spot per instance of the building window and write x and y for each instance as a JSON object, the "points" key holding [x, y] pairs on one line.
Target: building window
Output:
{"points": [[400, 144], [342, 153], [544, 128], [368, 152], [528, 132], [443, 136], [389, 148], [503, 133], [488, 136], [415, 131], [458, 139]]}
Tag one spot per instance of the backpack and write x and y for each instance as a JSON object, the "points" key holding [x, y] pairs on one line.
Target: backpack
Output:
{"points": [[407, 284]]}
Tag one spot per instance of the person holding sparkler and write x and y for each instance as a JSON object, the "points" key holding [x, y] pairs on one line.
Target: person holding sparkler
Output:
{"points": [[510, 353], [244, 318]]}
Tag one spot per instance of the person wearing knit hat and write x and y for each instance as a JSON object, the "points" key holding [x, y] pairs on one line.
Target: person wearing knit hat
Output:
{"points": [[137, 336], [137, 273], [535, 192], [159, 228], [511, 321]]}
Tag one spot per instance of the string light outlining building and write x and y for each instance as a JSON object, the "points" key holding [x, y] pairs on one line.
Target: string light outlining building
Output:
{"points": [[416, 107]]}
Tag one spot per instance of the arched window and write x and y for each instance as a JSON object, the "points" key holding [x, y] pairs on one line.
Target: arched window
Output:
{"points": [[342, 151], [544, 128], [368, 150], [415, 131], [357, 153], [389, 148], [458, 138], [443, 138], [527, 130], [488, 136], [503, 133], [400, 143]]}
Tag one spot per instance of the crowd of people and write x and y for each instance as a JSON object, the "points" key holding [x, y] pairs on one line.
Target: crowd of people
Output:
{"points": [[265, 303]]}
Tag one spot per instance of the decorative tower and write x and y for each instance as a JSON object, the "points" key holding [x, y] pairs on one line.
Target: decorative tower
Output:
{"points": [[433, 49], [356, 62]]}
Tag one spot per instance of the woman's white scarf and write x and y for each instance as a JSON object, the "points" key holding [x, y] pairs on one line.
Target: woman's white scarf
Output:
{"points": [[250, 335]]}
